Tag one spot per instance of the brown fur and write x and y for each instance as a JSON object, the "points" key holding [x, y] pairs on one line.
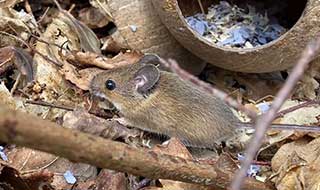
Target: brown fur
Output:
{"points": [[173, 107]]}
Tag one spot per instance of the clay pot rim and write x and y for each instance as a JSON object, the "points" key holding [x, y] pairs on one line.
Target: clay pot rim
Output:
{"points": [[237, 50]]}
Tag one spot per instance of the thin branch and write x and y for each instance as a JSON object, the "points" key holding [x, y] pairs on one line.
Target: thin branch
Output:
{"points": [[43, 15], [49, 43], [296, 107], [302, 128], [201, 7], [41, 168], [30, 131], [207, 87], [47, 104], [266, 119]]}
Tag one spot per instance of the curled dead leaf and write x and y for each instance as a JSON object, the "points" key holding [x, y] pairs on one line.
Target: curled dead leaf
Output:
{"points": [[114, 43], [85, 122], [80, 78], [93, 17], [12, 56], [88, 39], [176, 148], [93, 59], [7, 3], [11, 178], [296, 165], [103, 6]]}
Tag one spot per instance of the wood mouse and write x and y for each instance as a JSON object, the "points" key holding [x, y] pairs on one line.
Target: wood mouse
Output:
{"points": [[160, 102], [152, 99]]}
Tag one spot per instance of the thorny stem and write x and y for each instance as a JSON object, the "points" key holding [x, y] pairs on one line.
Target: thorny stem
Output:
{"points": [[265, 120]]}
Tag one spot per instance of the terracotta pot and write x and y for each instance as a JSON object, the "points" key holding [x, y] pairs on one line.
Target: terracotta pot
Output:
{"points": [[279, 54]]}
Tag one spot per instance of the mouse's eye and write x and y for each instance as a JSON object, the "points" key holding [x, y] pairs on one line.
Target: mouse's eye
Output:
{"points": [[110, 84]]}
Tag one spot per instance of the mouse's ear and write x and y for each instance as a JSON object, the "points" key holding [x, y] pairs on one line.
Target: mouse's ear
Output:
{"points": [[150, 59], [153, 59], [146, 77]]}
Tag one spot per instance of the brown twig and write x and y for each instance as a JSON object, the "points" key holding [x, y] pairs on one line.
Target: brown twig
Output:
{"points": [[41, 168], [30, 131], [294, 108], [265, 120], [207, 87], [47, 104], [43, 15], [201, 7], [28, 7], [302, 128], [15, 85], [49, 43]]}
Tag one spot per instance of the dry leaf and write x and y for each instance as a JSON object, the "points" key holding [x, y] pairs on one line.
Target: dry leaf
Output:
{"points": [[308, 85], [11, 179], [114, 43], [7, 3], [89, 123], [88, 39], [103, 6], [80, 78], [297, 165], [303, 116], [176, 148], [93, 17], [20, 23], [57, 88], [106, 180], [22, 61], [30, 162], [258, 86], [92, 59], [7, 99], [111, 180]]}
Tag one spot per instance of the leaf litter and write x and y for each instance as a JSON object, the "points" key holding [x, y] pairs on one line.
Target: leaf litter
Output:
{"points": [[77, 49]]}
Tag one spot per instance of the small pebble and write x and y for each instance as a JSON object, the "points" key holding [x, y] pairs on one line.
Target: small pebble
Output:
{"points": [[3, 155], [133, 28], [263, 107], [69, 177], [253, 170]]}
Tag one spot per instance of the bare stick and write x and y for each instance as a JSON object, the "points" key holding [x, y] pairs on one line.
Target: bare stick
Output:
{"points": [[302, 128], [294, 108], [43, 15], [41, 168], [47, 104], [27, 130], [266, 119], [207, 87], [201, 7], [48, 43]]}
